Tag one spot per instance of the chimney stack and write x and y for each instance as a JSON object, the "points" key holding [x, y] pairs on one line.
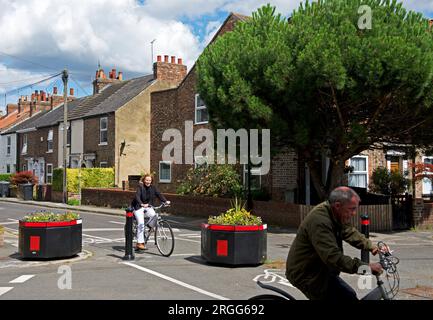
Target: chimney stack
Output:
{"points": [[171, 72]]}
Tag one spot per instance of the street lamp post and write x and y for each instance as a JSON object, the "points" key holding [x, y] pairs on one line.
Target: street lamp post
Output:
{"points": [[65, 132]]}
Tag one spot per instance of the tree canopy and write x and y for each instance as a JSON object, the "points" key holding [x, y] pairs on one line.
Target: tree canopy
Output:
{"points": [[322, 84]]}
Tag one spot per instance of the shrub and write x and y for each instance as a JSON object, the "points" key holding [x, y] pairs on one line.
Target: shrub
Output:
{"points": [[74, 202], [5, 176], [212, 180], [23, 177], [386, 182], [237, 215], [44, 216], [84, 178]]}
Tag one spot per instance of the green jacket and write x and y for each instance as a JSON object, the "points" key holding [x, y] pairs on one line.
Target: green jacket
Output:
{"points": [[317, 251]]}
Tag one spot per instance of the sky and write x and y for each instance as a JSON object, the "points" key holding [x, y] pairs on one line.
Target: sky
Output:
{"points": [[40, 38]]}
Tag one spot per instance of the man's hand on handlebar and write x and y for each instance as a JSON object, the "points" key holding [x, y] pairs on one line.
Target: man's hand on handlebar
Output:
{"points": [[376, 268], [167, 203]]}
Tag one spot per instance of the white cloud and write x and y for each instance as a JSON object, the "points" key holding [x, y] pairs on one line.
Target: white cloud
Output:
{"points": [[118, 33]]}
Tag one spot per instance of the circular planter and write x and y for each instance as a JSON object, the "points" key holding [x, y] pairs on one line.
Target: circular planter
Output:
{"points": [[234, 245], [48, 240]]}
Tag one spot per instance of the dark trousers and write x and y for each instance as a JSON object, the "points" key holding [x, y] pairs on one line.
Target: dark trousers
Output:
{"points": [[339, 290]]}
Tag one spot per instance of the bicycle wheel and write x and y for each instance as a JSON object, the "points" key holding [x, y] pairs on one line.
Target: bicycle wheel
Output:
{"points": [[268, 297], [164, 238]]}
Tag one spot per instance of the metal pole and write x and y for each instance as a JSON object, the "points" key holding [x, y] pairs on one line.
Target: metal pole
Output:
{"points": [[151, 51], [249, 196], [129, 254], [365, 225], [65, 133]]}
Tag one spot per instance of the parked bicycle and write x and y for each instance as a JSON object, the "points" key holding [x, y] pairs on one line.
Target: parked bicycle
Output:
{"points": [[389, 264], [162, 232]]}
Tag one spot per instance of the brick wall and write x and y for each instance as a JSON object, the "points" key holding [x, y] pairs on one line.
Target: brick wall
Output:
{"points": [[170, 72], [104, 153], [275, 213], [422, 213]]}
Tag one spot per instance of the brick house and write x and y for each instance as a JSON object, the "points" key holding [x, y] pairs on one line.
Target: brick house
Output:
{"points": [[107, 129], [171, 108], [26, 108]]}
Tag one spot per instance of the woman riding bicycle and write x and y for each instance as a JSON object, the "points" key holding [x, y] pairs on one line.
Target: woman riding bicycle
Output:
{"points": [[142, 204]]}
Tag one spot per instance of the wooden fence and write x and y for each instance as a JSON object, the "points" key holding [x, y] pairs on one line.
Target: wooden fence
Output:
{"points": [[380, 216]]}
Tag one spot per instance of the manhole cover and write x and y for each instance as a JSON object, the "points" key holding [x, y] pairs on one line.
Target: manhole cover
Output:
{"points": [[421, 291]]}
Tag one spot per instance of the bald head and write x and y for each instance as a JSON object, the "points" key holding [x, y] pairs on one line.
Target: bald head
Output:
{"points": [[342, 195], [344, 203]]}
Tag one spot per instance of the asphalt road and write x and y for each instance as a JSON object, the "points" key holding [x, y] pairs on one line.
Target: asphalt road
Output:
{"points": [[100, 273]]}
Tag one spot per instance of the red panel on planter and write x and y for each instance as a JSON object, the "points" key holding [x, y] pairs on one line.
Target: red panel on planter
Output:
{"points": [[35, 243], [222, 248]]}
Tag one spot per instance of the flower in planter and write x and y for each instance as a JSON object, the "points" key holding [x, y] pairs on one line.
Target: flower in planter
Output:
{"points": [[237, 215], [45, 216]]}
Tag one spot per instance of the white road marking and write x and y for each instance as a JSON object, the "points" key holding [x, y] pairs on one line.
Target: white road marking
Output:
{"points": [[182, 254], [12, 242], [5, 223], [100, 238], [22, 279], [189, 234], [3, 290], [188, 240], [183, 284], [104, 229], [117, 222], [13, 220]]}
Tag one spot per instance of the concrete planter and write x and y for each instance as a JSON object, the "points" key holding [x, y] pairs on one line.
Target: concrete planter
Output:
{"points": [[234, 245]]}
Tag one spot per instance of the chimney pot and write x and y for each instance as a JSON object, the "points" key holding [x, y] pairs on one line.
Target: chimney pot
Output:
{"points": [[120, 76], [55, 90], [166, 58], [158, 58], [114, 73], [71, 91], [173, 59], [179, 61]]}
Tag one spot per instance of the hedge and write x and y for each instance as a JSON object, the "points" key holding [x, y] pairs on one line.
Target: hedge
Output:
{"points": [[90, 178], [5, 177]]}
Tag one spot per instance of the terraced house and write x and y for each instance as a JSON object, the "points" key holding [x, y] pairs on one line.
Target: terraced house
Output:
{"points": [[110, 128]]}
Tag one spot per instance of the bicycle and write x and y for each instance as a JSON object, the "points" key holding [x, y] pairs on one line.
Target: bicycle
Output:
{"points": [[163, 233], [389, 265]]}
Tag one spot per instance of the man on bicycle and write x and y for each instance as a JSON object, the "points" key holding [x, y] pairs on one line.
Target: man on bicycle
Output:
{"points": [[316, 256], [142, 204]]}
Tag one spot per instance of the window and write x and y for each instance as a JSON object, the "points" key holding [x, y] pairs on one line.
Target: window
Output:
{"points": [[8, 168], [24, 149], [103, 164], [8, 145], [103, 131], [256, 178], [165, 171], [49, 173], [50, 141], [359, 176], [201, 114], [427, 186]]}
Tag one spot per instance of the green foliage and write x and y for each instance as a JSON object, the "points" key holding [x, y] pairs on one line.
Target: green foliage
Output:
{"points": [[73, 202], [84, 178], [57, 184], [237, 215], [45, 216], [23, 177], [386, 182], [5, 176], [212, 180], [322, 85]]}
